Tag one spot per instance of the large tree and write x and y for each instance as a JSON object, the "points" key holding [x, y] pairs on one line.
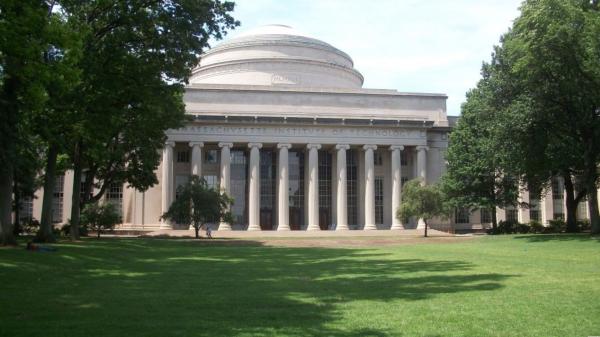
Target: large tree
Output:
{"points": [[535, 114], [479, 170], [24, 37], [137, 57], [549, 61]]}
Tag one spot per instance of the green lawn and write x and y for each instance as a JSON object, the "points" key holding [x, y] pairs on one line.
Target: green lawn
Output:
{"points": [[488, 286]]}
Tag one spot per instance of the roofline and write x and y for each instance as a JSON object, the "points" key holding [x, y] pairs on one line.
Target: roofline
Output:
{"points": [[315, 90]]}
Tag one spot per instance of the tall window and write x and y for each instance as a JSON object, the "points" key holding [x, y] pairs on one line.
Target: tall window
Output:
{"points": [[57, 199], [461, 215], [324, 189], [212, 181], [180, 181], [238, 188], [534, 207], [486, 215], [352, 185], [582, 209], [183, 156], [512, 214], [377, 158], [296, 185], [268, 186], [403, 158], [26, 209], [211, 156], [379, 200], [114, 195], [558, 189]]}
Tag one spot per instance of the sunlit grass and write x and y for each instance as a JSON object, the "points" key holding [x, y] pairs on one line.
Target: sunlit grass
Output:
{"points": [[490, 286]]}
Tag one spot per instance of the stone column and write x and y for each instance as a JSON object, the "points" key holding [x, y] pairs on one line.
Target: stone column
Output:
{"points": [[396, 184], [254, 187], [283, 198], [313, 187], [167, 180], [369, 187], [342, 188], [422, 173], [422, 162], [196, 160], [225, 183]]}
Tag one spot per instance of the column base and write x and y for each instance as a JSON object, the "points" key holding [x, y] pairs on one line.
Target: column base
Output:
{"points": [[224, 226], [420, 224], [397, 226], [253, 228], [165, 225], [313, 227], [342, 228], [370, 227], [283, 228]]}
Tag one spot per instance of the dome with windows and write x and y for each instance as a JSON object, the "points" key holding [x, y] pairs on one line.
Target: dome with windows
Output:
{"points": [[277, 55]]}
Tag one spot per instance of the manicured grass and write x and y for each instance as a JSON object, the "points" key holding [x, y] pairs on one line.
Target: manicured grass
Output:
{"points": [[488, 286]]}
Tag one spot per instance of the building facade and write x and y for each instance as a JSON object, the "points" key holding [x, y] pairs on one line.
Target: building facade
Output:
{"points": [[282, 124]]}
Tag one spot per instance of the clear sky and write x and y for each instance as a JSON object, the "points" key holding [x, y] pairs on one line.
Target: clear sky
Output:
{"points": [[409, 45]]}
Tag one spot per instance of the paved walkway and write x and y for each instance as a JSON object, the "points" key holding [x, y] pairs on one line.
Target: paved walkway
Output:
{"points": [[408, 233]]}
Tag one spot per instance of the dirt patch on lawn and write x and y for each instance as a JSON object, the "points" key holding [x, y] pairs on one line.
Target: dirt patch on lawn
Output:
{"points": [[330, 242]]}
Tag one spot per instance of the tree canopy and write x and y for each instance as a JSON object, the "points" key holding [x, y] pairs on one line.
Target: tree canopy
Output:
{"points": [[197, 204], [543, 89], [422, 201], [100, 82]]}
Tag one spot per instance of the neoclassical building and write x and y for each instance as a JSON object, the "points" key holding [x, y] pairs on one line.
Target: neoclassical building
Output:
{"points": [[282, 123]]}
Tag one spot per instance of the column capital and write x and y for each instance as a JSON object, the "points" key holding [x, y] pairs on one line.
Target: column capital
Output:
{"points": [[422, 147], [342, 147], [192, 144], [369, 147], [169, 143], [230, 145], [284, 145], [313, 146], [256, 145], [396, 147]]}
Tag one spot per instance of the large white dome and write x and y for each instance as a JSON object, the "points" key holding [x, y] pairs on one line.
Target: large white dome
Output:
{"points": [[277, 55]]}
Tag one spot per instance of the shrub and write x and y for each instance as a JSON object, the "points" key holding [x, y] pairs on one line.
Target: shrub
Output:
{"points": [[536, 226], [100, 217], [30, 227], [509, 227], [556, 226], [584, 225], [66, 229], [522, 228]]}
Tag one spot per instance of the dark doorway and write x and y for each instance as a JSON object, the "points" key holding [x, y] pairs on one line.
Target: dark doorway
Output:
{"points": [[324, 189], [268, 187], [296, 181]]}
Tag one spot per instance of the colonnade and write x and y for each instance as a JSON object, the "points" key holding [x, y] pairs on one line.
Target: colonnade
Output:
{"points": [[313, 181]]}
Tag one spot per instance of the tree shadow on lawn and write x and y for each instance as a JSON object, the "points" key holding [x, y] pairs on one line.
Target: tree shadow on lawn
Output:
{"points": [[559, 237], [163, 287]]}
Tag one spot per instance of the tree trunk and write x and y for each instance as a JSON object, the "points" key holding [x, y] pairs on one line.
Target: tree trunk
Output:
{"points": [[6, 184], [571, 204], [76, 197], [494, 218], [45, 232], [426, 225], [593, 207], [196, 229], [17, 206], [98, 233]]}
